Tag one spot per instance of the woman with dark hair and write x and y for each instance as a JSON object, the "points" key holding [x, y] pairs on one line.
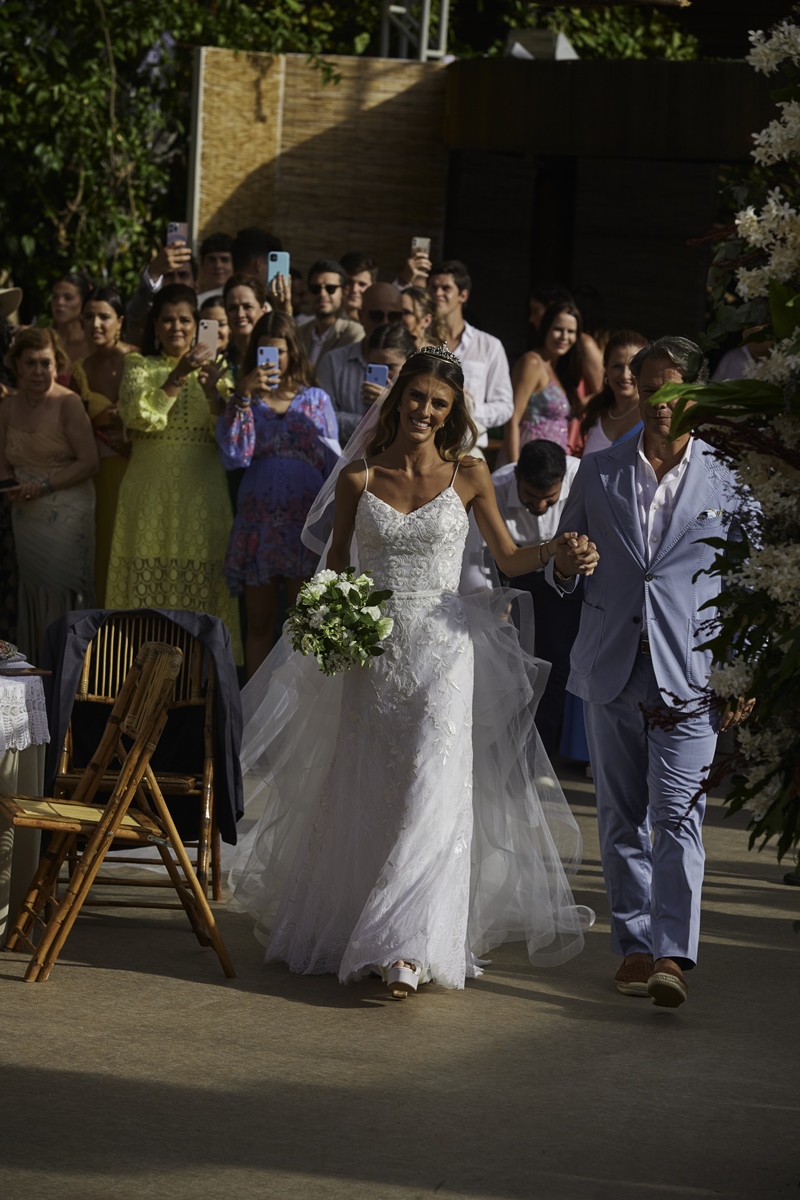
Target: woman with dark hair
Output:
{"points": [[96, 379], [282, 428], [66, 303], [387, 346], [46, 444], [409, 836], [613, 414], [546, 383], [174, 512], [245, 301]]}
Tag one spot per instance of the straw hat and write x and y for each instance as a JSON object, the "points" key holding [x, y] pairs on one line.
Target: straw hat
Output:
{"points": [[10, 300]]}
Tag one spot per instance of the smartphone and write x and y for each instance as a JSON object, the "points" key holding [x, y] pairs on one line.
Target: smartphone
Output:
{"points": [[421, 246], [277, 264], [267, 356], [208, 335], [377, 373], [177, 231]]}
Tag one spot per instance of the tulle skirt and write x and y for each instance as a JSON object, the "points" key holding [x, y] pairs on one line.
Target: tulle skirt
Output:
{"points": [[409, 809]]}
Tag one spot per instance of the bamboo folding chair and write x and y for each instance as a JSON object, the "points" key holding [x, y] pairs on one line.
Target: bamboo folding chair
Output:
{"points": [[107, 660], [138, 717]]}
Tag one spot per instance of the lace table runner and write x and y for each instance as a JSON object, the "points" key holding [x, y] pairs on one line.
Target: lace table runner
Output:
{"points": [[23, 717]]}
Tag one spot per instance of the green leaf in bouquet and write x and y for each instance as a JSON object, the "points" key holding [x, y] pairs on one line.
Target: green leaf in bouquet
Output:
{"points": [[376, 651], [379, 597]]}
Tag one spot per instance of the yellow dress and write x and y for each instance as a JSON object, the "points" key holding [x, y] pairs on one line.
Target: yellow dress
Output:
{"points": [[174, 513], [106, 483]]}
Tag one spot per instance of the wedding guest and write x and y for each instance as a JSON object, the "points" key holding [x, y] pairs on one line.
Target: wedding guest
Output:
{"points": [[251, 250], [736, 363], [342, 371], [10, 300], [546, 383], [174, 513], [421, 317], [387, 346], [650, 504], [613, 413], [415, 271], [275, 426], [531, 496], [486, 377], [541, 297], [213, 309], [245, 301], [97, 379], [360, 273], [300, 308], [216, 264], [172, 264], [46, 444], [330, 329], [69, 293]]}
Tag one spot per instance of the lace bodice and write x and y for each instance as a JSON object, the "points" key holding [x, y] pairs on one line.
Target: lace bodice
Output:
{"points": [[419, 551]]}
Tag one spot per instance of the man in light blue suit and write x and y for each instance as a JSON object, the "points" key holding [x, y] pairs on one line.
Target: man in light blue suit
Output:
{"points": [[648, 504]]}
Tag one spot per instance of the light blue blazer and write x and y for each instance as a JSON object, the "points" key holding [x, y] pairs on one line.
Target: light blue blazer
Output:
{"points": [[602, 503]]}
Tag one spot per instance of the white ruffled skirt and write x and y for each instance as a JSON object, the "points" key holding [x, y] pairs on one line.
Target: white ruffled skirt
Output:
{"points": [[409, 810]]}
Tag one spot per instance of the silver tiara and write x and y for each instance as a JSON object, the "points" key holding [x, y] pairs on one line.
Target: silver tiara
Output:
{"points": [[439, 352]]}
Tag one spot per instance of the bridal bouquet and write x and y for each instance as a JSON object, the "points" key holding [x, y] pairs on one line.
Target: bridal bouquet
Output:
{"points": [[338, 619]]}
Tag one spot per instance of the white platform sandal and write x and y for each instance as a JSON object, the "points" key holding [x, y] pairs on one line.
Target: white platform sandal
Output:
{"points": [[402, 981]]}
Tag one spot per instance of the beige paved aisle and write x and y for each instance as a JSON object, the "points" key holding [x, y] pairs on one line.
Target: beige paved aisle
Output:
{"points": [[139, 1072]]}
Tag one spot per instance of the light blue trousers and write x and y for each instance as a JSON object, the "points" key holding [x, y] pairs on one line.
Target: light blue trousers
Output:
{"points": [[645, 778]]}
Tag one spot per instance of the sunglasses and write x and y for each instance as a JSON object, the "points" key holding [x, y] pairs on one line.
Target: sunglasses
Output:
{"points": [[317, 289], [379, 317]]}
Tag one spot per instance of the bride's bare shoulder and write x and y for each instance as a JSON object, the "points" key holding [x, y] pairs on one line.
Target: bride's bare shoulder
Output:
{"points": [[473, 466], [352, 477]]}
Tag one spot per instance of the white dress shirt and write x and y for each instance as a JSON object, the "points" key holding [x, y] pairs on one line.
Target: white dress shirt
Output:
{"points": [[479, 570], [487, 379], [656, 500]]}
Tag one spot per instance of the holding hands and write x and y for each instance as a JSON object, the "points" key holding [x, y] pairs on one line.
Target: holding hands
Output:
{"points": [[574, 555]]}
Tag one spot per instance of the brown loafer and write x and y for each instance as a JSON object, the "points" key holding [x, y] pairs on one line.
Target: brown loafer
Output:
{"points": [[632, 977], [668, 987]]}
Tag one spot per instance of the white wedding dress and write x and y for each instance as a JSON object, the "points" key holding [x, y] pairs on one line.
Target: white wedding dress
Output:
{"points": [[410, 810]]}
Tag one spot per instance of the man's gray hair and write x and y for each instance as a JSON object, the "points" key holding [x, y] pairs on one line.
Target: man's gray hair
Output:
{"points": [[684, 355]]}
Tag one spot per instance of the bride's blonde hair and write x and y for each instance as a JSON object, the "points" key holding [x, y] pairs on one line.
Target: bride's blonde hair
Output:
{"points": [[458, 435]]}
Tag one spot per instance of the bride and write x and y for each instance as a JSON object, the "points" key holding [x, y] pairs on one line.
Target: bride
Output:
{"points": [[411, 819]]}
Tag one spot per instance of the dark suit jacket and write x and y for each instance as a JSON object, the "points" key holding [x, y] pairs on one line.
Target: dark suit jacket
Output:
{"points": [[65, 645]]}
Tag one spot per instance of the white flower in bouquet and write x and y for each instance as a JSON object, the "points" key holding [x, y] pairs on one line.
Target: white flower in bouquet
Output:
{"points": [[338, 618]]}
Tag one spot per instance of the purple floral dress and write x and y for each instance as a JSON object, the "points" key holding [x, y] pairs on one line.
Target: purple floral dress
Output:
{"points": [[287, 462], [546, 419]]}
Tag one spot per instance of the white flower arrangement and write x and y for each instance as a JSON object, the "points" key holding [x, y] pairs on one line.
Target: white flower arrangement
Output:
{"points": [[338, 618]]}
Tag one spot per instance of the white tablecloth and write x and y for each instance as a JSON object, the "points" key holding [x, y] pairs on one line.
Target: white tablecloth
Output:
{"points": [[23, 717], [23, 736]]}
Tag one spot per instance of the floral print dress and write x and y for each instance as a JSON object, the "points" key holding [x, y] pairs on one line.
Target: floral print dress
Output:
{"points": [[287, 460]]}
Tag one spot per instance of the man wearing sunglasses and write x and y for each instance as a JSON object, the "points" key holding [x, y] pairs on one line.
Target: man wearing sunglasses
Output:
{"points": [[342, 372], [329, 329]]}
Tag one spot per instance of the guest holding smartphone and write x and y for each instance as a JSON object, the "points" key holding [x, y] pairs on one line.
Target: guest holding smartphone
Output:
{"points": [[245, 300], [174, 514], [97, 378], [282, 428], [388, 347]]}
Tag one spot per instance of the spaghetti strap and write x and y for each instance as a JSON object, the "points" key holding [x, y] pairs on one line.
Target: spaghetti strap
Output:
{"points": [[452, 481], [366, 476]]}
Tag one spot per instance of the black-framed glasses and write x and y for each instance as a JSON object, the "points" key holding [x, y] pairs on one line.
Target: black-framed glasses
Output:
{"points": [[317, 289], [379, 317]]}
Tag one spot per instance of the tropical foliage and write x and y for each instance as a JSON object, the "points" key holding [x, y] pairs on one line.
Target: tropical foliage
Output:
{"points": [[755, 426]]}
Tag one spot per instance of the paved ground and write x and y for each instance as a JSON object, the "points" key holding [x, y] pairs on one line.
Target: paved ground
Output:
{"points": [[138, 1071]]}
